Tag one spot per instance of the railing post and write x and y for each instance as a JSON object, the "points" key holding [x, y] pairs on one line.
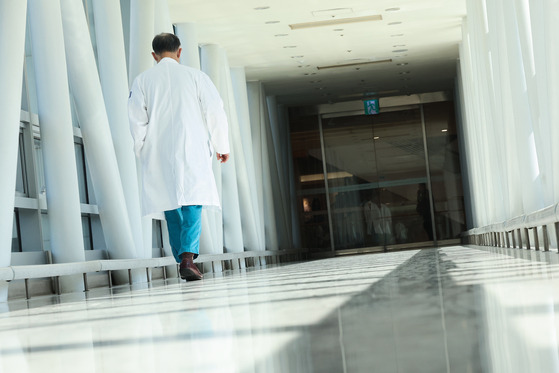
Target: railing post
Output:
{"points": [[536, 238], [545, 239], [85, 286], [527, 233]]}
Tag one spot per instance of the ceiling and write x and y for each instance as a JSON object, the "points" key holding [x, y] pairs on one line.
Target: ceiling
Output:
{"points": [[418, 39]]}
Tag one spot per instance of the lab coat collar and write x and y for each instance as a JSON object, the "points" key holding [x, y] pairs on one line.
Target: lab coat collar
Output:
{"points": [[167, 59]]}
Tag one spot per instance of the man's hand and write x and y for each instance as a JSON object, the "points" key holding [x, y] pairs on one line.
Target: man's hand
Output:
{"points": [[222, 157]]}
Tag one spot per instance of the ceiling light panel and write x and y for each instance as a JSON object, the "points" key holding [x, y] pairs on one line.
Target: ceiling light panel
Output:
{"points": [[336, 21], [332, 12], [353, 64]]}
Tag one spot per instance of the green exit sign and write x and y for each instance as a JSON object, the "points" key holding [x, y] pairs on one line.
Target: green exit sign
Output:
{"points": [[371, 106]]}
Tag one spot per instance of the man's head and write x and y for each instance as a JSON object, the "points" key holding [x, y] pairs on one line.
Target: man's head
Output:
{"points": [[166, 45]]}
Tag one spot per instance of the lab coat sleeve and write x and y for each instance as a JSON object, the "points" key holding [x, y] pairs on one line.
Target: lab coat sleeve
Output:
{"points": [[137, 116], [216, 119]]}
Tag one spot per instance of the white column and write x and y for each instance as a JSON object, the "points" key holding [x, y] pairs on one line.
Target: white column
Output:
{"points": [[211, 238], [142, 26], [162, 21], [111, 59], [214, 63], [12, 47], [57, 137], [188, 36], [259, 120], [238, 78], [142, 31], [94, 124]]}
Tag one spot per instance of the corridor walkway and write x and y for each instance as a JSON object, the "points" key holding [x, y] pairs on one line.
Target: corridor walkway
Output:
{"points": [[454, 309]]}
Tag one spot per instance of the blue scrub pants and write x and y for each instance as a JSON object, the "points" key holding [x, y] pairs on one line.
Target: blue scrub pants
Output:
{"points": [[185, 225]]}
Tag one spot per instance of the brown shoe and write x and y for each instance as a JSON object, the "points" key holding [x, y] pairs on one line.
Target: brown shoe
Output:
{"points": [[188, 269]]}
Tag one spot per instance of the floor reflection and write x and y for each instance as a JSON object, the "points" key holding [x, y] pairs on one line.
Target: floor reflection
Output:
{"points": [[457, 309]]}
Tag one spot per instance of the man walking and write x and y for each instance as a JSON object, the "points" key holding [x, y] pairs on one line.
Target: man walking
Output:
{"points": [[177, 122]]}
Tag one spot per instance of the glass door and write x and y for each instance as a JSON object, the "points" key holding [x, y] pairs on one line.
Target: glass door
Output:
{"points": [[351, 169], [377, 180], [403, 192]]}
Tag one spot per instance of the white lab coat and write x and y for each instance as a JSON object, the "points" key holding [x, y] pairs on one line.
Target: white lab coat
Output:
{"points": [[177, 120]]}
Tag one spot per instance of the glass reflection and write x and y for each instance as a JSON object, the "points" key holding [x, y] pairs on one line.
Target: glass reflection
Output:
{"points": [[309, 176], [376, 170], [444, 165]]}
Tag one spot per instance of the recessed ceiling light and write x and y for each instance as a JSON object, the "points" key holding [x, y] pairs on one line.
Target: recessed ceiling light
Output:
{"points": [[396, 35], [445, 130], [376, 138], [262, 8], [290, 46], [392, 9], [394, 23], [272, 22], [278, 35], [399, 50]]}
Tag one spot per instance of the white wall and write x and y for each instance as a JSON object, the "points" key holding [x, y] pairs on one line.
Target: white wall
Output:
{"points": [[509, 88]]}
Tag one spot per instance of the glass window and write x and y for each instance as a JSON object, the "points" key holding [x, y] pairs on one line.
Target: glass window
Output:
{"points": [[24, 103], [16, 236], [90, 190], [46, 230], [86, 229], [40, 167], [20, 177], [82, 179], [157, 238]]}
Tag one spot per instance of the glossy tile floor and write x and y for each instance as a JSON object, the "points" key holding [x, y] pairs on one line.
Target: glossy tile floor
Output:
{"points": [[455, 309]]}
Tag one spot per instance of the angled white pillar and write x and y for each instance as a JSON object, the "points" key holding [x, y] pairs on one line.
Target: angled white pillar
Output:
{"points": [[162, 21], [214, 63], [142, 26], [12, 47], [142, 31], [94, 124], [211, 238], [259, 128], [238, 78], [188, 36], [57, 137], [113, 74]]}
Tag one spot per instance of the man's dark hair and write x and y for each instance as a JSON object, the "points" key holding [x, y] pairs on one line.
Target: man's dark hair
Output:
{"points": [[165, 42]]}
